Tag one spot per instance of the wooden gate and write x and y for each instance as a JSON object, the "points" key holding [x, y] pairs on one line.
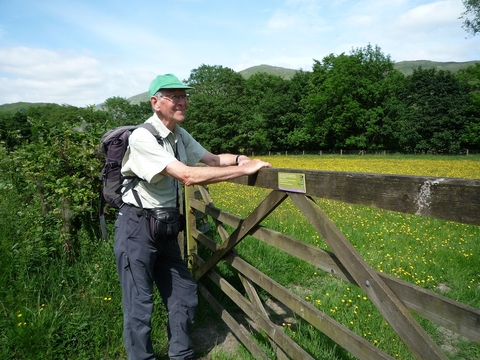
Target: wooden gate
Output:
{"points": [[443, 198]]}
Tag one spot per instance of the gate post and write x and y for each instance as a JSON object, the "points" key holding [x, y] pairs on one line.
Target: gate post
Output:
{"points": [[191, 245]]}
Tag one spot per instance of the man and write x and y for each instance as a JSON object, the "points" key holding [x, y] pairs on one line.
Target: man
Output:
{"points": [[142, 257]]}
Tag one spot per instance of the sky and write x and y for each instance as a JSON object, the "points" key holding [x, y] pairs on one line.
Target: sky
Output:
{"points": [[85, 51]]}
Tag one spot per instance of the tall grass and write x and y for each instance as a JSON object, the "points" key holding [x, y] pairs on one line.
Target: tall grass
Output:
{"points": [[54, 308]]}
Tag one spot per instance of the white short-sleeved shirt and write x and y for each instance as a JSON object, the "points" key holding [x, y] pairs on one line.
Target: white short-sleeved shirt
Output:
{"points": [[146, 159]]}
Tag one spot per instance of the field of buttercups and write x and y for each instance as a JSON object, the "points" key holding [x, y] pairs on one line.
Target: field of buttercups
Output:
{"points": [[439, 255]]}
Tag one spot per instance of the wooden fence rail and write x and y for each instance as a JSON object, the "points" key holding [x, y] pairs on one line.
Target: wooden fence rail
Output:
{"points": [[443, 198]]}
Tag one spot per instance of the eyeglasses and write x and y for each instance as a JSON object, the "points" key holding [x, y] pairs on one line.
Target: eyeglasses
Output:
{"points": [[174, 98]]}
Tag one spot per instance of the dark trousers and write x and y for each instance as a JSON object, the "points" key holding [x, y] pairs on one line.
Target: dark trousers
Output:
{"points": [[141, 261]]}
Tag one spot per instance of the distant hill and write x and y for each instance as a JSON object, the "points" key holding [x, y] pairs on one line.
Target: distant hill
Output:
{"points": [[272, 70], [406, 67], [18, 106], [137, 99]]}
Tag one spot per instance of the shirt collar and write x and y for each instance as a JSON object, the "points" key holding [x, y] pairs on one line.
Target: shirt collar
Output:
{"points": [[163, 131]]}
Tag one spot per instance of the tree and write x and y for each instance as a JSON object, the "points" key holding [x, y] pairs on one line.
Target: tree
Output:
{"points": [[26, 125], [471, 25], [216, 109], [122, 112], [347, 94], [272, 108], [471, 136], [14, 129], [54, 169], [429, 113], [298, 137]]}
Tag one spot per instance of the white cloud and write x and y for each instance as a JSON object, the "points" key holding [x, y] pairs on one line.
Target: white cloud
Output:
{"points": [[430, 16], [39, 75], [43, 64], [430, 32]]}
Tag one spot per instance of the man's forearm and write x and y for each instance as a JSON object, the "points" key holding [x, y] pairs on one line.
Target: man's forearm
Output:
{"points": [[202, 175], [229, 159]]}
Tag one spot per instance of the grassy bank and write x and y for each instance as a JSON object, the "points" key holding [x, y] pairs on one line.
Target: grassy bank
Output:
{"points": [[55, 308]]}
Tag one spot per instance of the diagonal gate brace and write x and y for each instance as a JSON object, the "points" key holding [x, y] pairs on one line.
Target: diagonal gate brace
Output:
{"points": [[269, 204], [391, 307]]}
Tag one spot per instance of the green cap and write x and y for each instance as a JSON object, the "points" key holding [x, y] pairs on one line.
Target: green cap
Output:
{"points": [[167, 81]]}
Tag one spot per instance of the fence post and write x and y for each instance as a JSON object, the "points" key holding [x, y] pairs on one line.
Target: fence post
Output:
{"points": [[191, 221]]}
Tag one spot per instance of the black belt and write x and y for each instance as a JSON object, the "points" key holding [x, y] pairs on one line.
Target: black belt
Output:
{"points": [[153, 212]]}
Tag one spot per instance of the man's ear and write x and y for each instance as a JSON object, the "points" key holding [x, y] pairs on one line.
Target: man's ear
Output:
{"points": [[154, 102]]}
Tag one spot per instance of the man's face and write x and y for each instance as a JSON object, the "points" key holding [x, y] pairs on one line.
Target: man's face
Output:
{"points": [[171, 105]]}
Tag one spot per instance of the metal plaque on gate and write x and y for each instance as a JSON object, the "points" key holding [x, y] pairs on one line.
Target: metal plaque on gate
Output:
{"points": [[293, 182]]}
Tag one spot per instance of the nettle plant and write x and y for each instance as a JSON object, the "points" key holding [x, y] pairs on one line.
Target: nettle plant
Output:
{"points": [[58, 181]]}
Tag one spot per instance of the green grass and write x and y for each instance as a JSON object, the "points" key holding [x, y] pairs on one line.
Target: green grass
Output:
{"points": [[426, 252], [53, 308]]}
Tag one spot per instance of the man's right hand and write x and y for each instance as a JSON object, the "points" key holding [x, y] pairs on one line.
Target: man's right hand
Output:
{"points": [[252, 166]]}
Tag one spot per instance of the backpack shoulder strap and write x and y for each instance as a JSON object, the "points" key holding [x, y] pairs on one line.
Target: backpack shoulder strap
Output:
{"points": [[154, 132]]}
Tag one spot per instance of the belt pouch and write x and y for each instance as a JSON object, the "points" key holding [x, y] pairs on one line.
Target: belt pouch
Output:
{"points": [[166, 223]]}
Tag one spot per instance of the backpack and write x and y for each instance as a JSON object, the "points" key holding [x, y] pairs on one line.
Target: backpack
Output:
{"points": [[114, 145]]}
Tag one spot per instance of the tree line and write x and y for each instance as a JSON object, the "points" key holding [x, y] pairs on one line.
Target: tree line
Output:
{"points": [[354, 101]]}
